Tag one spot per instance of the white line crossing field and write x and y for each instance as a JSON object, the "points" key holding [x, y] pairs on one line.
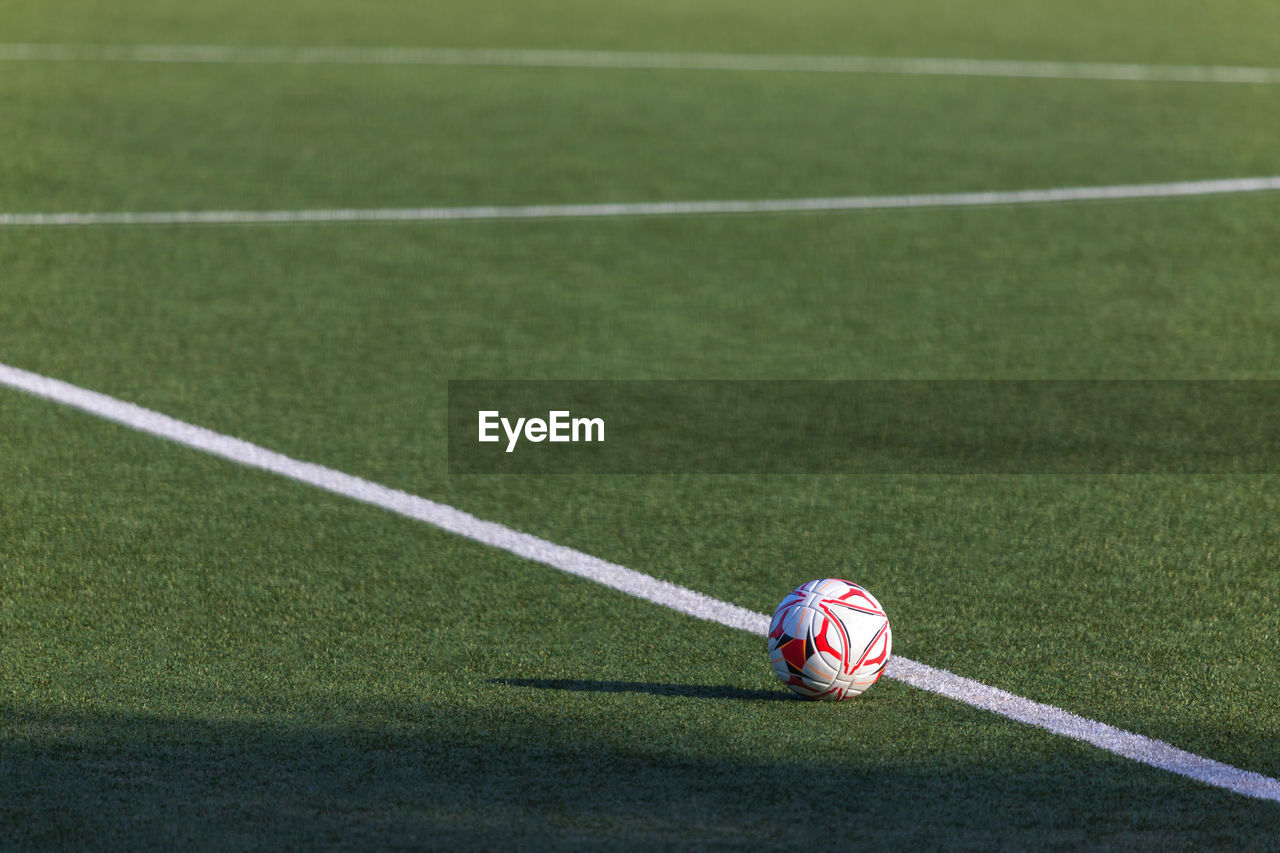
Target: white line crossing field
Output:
{"points": [[1119, 192], [1139, 748], [656, 60]]}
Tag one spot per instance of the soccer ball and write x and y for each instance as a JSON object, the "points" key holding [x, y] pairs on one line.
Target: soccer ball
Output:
{"points": [[829, 639]]}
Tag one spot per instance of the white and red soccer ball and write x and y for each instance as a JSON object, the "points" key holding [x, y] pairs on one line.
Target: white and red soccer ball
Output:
{"points": [[829, 639]]}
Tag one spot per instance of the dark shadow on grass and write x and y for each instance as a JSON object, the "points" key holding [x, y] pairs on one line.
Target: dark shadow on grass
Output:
{"points": [[695, 691], [413, 775]]}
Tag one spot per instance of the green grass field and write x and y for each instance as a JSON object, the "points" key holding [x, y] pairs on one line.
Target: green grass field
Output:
{"points": [[197, 654]]}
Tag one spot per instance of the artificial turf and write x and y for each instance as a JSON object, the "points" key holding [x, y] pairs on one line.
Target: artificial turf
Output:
{"points": [[193, 653]]}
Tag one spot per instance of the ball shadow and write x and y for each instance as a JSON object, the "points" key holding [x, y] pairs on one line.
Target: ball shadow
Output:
{"points": [[694, 691]]}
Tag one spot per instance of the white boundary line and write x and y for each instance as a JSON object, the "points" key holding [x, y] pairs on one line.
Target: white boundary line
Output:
{"points": [[337, 55], [654, 208], [1145, 750]]}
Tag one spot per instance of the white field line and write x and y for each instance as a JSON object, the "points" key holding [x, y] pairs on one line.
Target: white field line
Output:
{"points": [[1137, 747], [647, 208], [496, 57]]}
